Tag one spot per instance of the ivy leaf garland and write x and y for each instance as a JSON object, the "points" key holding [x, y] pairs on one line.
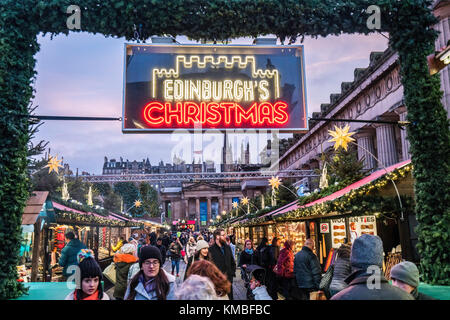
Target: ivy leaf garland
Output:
{"points": [[409, 24]]}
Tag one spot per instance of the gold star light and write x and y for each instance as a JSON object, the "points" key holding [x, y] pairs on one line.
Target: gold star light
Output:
{"points": [[53, 164], [341, 137], [235, 205], [244, 200], [137, 203], [274, 182]]}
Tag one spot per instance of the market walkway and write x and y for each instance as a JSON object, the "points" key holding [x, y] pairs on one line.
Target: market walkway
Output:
{"points": [[239, 291]]}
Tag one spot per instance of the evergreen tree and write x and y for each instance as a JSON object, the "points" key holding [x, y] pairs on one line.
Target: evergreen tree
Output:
{"points": [[150, 201], [129, 193], [344, 167], [111, 201], [41, 180], [286, 193]]}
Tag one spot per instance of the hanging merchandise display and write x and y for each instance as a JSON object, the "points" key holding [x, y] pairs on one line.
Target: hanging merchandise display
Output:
{"points": [[60, 238], [297, 233], [362, 225], [338, 232], [313, 236]]}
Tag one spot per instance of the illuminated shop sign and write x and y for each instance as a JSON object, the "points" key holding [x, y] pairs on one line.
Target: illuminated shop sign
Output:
{"points": [[173, 87]]}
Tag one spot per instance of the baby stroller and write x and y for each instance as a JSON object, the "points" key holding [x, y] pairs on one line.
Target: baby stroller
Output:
{"points": [[252, 270]]}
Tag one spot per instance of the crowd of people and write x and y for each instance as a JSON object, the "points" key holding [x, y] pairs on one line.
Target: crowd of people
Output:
{"points": [[212, 260]]}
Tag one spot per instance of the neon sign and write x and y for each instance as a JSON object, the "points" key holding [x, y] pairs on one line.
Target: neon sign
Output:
{"points": [[172, 87]]}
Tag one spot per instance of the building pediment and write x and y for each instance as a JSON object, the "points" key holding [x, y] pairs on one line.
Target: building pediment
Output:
{"points": [[202, 186]]}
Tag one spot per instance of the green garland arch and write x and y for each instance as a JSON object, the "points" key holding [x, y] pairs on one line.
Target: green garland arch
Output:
{"points": [[409, 23]]}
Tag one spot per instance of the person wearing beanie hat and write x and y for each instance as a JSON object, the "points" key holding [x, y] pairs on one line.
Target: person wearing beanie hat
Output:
{"points": [[201, 253], [123, 260], [405, 276], [90, 278], [367, 281], [152, 282]]}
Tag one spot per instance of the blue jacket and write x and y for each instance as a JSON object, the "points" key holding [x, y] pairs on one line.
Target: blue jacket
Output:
{"points": [[69, 255], [307, 269]]}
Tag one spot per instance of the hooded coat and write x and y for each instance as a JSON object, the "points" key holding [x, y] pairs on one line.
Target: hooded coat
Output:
{"points": [[123, 263], [358, 289], [69, 255]]}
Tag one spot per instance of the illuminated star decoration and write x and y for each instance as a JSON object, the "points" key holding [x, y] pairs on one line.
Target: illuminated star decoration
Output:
{"points": [[244, 200], [274, 182], [53, 164], [341, 137], [137, 203], [235, 204]]}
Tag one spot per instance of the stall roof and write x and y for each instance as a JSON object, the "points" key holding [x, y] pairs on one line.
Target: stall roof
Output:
{"points": [[34, 207], [375, 175], [281, 208], [117, 216], [62, 207]]}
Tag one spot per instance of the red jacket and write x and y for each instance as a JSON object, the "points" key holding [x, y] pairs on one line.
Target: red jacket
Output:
{"points": [[285, 264]]}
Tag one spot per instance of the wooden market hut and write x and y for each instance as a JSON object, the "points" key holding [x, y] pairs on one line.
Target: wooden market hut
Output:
{"points": [[38, 213]]}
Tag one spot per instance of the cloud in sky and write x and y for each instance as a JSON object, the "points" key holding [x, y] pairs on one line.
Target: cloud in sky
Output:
{"points": [[82, 75]]}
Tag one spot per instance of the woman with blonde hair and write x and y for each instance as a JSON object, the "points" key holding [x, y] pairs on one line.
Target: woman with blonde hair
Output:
{"points": [[190, 249]]}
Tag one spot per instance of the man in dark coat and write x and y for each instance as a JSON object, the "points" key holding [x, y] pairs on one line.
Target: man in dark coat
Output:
{"points": [[162, 249], [166, 241], [307, 270], [367, 281], [222, 257], [153, 239], [69, 253]]}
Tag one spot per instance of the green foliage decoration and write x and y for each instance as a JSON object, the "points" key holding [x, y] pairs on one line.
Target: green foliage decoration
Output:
{"points": [[409, 24]]}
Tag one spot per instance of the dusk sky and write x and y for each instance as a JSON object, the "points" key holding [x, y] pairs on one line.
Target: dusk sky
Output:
{"points": [[82, 75]]}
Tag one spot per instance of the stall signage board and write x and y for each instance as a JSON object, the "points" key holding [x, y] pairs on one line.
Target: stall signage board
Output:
{"points": [[338, 232], [362, 225], [324, 228], [213, 87]]}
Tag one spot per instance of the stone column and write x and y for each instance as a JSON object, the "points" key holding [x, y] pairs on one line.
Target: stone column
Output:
{"points": [[197, 211], [387, 151], [221, 208], [364, 139], [404, 139], [209, 212], [186, 208]]}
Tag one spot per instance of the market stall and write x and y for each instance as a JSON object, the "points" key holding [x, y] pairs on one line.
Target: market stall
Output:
{"points": [[97, 232], [37, 214], [368, 206]]}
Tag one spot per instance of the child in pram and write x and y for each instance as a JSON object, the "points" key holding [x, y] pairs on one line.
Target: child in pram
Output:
{"points": [[254, 277]]}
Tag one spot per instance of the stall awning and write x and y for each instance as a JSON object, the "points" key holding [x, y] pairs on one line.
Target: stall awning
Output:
{"points": [[289, 205], [375, 175], [35, 207], [64, 208]]}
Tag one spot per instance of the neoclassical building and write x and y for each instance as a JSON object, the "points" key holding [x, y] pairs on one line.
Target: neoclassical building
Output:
{"points": [[375, 94]]}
